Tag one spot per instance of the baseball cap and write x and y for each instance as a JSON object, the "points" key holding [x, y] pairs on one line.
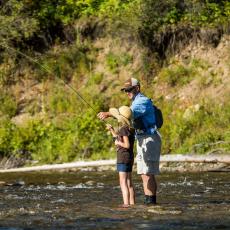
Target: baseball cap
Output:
{"points": [[130, 83]]}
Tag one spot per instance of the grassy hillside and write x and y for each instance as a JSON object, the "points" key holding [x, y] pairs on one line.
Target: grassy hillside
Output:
{"points": [[179, 50]]}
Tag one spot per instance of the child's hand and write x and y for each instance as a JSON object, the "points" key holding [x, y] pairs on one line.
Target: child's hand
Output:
{"points": [[117, 142], [109, 127]]}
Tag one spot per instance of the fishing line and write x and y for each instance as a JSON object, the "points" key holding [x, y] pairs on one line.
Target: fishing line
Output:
{"points": [[50, 72]]}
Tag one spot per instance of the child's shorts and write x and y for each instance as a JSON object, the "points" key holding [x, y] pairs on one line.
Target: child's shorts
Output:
{"points": [[124, 167]]}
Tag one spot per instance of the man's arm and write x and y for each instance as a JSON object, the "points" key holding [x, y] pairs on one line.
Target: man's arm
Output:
{"points": [[138, 109], [104, 115]]}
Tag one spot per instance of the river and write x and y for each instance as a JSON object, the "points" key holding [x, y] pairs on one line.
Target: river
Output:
{"points": [[90, 199]]}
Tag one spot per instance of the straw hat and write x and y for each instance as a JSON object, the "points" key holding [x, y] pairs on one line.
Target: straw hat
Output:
{"points": [[123, 114]]}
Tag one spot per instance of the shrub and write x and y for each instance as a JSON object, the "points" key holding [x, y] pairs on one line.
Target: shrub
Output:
{"points": [[95, 78], [16, 24], [115, 61], [205, 130], [112, 62], [199, 63], [8, 104], [61, 100], [177, 75], [6, 129], [81, 137], [64, 63]]}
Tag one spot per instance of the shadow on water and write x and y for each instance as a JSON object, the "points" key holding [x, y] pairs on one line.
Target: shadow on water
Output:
{"points": [[89, 200]]}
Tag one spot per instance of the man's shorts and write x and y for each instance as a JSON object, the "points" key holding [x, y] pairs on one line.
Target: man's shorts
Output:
{"points": [[148, 154]]}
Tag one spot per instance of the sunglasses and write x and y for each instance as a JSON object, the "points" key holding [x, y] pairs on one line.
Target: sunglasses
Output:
{"points": [[129, 90]]}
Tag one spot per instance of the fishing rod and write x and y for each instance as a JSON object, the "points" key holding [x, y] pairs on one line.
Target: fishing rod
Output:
{"points": [[50, 72]]}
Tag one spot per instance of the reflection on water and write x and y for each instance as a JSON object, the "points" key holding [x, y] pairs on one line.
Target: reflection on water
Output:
{"points": [[89, 200]]}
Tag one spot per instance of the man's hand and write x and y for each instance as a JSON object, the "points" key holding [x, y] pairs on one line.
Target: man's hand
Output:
{"points": [[103, 115]]}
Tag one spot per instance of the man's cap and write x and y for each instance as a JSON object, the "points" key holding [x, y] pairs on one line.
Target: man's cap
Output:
{"points": [[130, 83]]}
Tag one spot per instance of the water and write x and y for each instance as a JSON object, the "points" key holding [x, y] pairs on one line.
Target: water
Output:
{"points": [[89, 200]]}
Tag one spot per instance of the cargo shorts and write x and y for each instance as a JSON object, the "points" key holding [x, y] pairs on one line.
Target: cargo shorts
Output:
{"points": [[148, 154]]}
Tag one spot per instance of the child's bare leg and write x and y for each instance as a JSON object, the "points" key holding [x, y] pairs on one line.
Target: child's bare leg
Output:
{"points": [[131, 189], [124, 187]]}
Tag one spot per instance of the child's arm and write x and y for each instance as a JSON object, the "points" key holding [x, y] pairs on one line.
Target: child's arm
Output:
{"points": [[110, 128], [125, 143]]}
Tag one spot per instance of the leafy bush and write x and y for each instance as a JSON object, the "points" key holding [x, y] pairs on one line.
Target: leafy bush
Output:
{"points": [[210, 78], [177, 75], [208, 12], [112, 62], [65, 11], [76, 138], [64, 63], [61, 99], [81, 137], [96, 78], [205, 129], [115, 61], [155, 14], [199, 63], [8, 104], [14, 27], [6, 129]]}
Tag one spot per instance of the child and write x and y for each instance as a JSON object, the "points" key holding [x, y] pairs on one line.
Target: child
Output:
{"points": [[124, 141]]}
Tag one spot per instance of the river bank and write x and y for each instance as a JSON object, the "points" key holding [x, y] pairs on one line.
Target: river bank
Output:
{"points": [[168, 163]]}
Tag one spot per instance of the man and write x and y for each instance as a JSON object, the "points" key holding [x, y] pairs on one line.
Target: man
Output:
{"points": [[148, 138]]}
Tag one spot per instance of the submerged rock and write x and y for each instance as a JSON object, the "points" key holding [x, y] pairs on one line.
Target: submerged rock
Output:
{"points": [[162, 211], [2, 183], [17, 183]]}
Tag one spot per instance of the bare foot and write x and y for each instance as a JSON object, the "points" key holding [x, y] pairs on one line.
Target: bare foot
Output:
{"points": [[124, 206]]}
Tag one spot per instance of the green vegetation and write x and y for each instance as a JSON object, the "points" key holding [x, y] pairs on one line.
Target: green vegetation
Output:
{"points": [[65, 62], [178, 75], [181, 74], [157, 14], [199, 129], [64, 139], [60, 39], [8, 104], [114, 61]]}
